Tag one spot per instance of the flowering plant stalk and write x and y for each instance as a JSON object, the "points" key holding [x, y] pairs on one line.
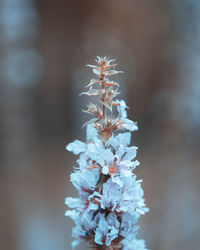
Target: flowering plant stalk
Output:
{"points": [[110, 198]]}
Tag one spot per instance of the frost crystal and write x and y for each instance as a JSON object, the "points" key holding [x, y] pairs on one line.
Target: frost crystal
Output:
{"points": [[110, 198]]}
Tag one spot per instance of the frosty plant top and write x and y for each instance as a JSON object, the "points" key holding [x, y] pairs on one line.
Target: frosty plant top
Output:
{"points": [[110, 198]]}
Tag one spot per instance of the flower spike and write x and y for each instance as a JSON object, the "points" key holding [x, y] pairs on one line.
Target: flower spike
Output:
{"points": [[110, 197]]}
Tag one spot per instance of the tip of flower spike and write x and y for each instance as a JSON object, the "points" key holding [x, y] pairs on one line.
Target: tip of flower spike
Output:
{"points": [[100, 59]]}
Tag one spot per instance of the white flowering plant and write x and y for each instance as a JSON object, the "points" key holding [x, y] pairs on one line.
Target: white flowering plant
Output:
{"points": [[110, 197]]}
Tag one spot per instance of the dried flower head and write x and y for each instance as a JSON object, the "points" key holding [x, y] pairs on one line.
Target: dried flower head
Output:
{"points": [[110, 198]]}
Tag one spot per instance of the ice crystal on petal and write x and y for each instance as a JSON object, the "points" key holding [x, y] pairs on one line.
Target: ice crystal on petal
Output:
{"points": [[110, 197]]}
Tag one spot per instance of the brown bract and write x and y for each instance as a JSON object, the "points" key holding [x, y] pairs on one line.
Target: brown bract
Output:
{"points": [[107, 91]]}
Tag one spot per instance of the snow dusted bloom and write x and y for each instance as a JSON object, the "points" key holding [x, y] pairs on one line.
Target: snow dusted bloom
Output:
{"points": [[110, 197]]}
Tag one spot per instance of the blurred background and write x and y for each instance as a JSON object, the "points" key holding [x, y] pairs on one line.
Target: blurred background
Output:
{"points": [[44, 46]]}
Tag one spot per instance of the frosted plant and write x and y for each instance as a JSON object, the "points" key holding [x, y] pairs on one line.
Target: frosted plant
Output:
{"points": [[110, 198]]}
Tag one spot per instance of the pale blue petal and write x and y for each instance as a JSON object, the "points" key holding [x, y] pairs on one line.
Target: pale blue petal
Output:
{"points": [[122, 109], [121, 139], [92, 206], [129, 125], [130, 153], [97, 152], [117, 179], [75, 243], [120, 152], [78, 232], [107, 155], [76, 147], [112, 220], [133, 244], [91, 132], [73, 202], [101, 230], [111, 235], [94, 153], [86, 179], [87, 220], [72, 214], [83, 161], [98, 238]]}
